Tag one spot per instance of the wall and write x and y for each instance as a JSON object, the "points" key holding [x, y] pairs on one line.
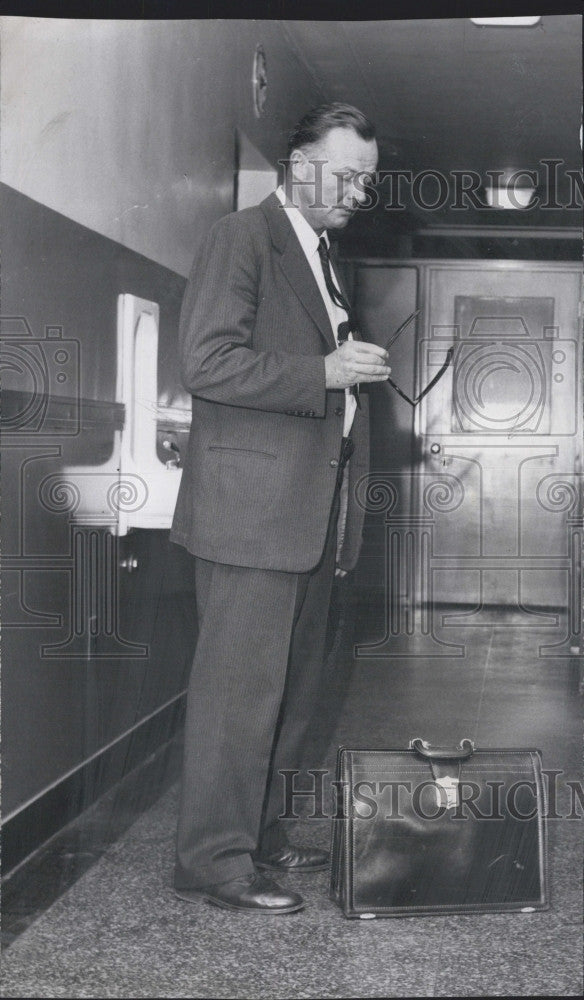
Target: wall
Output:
{"points": [[119, 151], [129, 127]]}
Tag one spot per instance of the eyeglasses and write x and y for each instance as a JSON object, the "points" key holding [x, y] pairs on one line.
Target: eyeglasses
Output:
{"points": [[437, 376]]}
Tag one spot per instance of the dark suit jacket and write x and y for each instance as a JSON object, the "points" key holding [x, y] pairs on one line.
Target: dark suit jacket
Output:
{"points": [[259, 475]]}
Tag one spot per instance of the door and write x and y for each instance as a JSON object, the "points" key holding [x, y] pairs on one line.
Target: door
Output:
{"points": [[499, 436]]}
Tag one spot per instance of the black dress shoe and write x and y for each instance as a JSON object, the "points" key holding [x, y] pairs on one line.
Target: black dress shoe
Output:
{"points": [[294, 859], [254, 893]]}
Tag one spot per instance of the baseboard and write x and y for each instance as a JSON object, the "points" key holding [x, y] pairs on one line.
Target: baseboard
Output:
{"points": [[372, 593], [26, 830]]}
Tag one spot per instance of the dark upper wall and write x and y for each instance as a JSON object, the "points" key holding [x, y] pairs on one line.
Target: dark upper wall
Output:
{"points": [[129, 127]]}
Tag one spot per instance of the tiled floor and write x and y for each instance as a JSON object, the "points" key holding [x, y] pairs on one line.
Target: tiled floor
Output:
{"points": [[118, 931]]}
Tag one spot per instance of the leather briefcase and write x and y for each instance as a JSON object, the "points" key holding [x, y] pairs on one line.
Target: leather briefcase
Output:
{"points": [[438, 830]]}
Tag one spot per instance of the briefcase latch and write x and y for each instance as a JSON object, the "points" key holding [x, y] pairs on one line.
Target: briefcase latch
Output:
{"points": [[446, 792], [445, 764]]}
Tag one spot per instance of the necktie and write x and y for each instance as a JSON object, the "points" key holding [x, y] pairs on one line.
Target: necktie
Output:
{"points": [[339, 300], [334, 292]]}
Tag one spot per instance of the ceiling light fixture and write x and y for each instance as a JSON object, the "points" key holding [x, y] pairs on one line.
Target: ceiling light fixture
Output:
{"points": [[506, 22], [508, 196]]}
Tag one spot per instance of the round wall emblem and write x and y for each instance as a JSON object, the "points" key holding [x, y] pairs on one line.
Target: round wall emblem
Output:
{"points": [[259, 81]]}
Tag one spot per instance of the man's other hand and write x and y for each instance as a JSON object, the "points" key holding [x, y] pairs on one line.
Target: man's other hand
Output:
{"points": [[354, 362]]}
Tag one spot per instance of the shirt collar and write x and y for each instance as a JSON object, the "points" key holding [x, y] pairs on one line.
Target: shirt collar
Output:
{"points": [[305, 233]]}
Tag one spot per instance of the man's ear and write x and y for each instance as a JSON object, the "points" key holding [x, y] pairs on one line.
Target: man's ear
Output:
{"points": [[298, 163]]}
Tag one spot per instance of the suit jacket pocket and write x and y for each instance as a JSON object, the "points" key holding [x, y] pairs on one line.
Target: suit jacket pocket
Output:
{"points": [[241, 451]]}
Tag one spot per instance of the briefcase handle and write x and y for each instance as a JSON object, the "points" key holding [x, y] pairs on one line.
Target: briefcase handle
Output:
{"points": [[462, 752]]}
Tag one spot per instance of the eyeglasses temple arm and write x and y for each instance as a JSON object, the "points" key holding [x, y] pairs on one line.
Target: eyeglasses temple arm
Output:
{"points": [[430, 385], [401, 329], [438, 375]]}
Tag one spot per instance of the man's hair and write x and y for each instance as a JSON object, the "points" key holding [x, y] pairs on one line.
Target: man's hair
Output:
{"points": [[315, 125]]}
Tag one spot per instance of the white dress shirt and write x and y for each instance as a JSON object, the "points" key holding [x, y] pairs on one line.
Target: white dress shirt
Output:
{"points": [[309, 243]]}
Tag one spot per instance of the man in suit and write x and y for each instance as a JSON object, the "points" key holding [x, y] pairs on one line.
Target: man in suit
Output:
{"points": [[266, 354]]}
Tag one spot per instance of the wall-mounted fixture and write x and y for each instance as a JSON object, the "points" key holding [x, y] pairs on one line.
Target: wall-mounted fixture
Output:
{"points": [[134, 488], [506, 22]]}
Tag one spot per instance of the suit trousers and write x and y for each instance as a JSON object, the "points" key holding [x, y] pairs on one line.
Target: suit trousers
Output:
{"points": [[252, 693]]}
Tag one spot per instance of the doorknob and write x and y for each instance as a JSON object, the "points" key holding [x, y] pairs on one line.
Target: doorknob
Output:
{"points": [[435, 448]]}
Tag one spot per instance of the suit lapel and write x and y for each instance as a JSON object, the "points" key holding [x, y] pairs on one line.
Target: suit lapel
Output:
{"points": [[296, 268]]}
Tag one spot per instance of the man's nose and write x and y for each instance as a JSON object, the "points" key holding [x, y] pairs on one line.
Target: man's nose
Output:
{"points": [[358, 196]]}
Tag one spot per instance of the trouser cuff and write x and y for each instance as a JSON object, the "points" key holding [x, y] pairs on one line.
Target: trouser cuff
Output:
{"points": [[273, 838]]}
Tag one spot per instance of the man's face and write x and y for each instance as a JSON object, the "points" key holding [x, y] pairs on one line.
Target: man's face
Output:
{"points": [[335, 189]]}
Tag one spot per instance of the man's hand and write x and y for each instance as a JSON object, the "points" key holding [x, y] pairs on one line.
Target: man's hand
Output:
{"points": [[355, 361]]}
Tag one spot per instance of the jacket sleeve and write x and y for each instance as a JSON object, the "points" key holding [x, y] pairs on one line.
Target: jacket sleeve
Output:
{"points": [[218, 362]]}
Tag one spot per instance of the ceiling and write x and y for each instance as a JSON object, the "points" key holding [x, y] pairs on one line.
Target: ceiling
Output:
{"points": [[447, 95]]}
